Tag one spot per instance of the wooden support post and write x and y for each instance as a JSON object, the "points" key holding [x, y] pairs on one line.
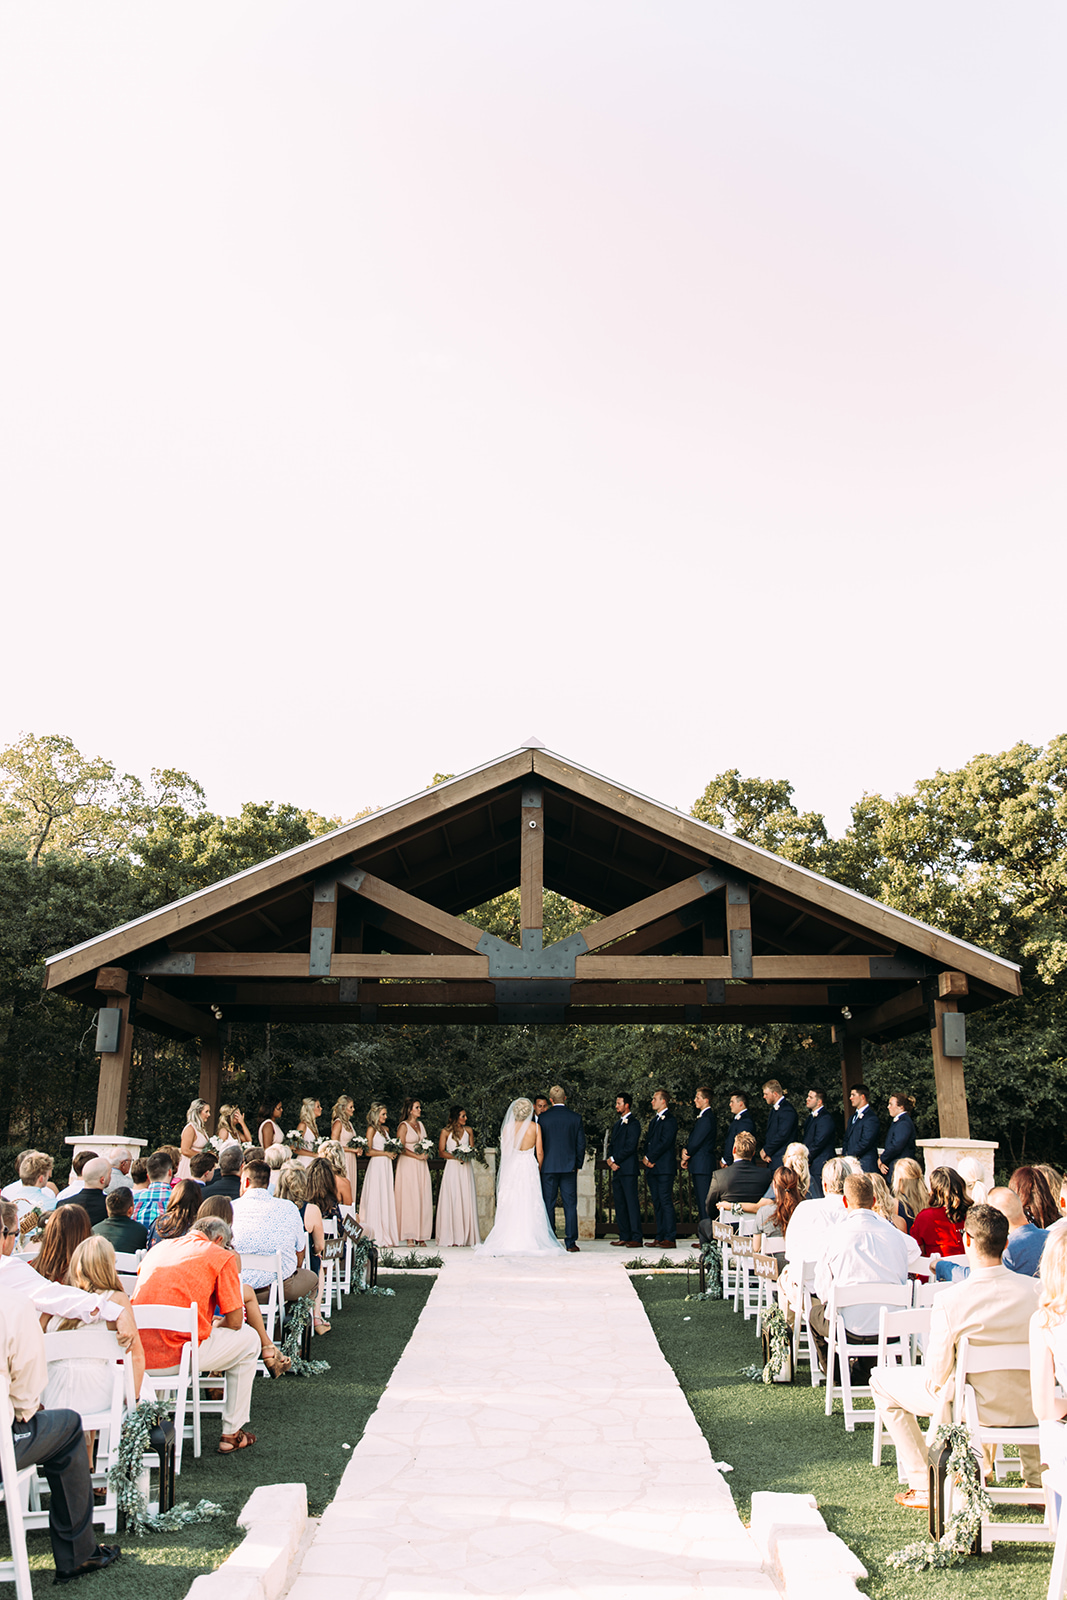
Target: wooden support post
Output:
{"points": [[532, 865], [323, 928], [115, 1075], [211, 1077], [739, 929], [851, 1051], [953, 1120]]}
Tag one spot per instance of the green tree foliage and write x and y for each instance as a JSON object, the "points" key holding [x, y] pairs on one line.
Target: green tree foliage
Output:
{"points": [[184, 851], [761, 810]]}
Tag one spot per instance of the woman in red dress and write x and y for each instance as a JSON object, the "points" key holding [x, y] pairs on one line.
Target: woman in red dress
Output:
{"points": [[938, 1230]]}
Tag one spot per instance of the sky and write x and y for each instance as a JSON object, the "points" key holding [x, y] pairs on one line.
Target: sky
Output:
{"points": [[384, 385]]}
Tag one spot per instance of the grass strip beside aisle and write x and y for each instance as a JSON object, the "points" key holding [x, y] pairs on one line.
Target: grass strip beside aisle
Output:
{"points": [[300, 1427], [777, 1437]]}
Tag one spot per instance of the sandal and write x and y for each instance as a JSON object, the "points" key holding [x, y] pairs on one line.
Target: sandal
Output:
{"points": [[322, 1327], [275, 1362], [230, 1442]]}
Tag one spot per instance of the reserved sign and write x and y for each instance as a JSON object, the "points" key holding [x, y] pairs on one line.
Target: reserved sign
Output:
{"points": [[351, 1228], [766, 1267], [743, 1246], [722, 1230], [333, 1249]]}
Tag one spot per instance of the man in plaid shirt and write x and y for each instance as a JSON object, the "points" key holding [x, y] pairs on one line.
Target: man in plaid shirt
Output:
{"points": [[151, 1201]]}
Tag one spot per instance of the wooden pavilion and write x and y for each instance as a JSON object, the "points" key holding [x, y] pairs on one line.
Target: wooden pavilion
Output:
{"points": [[367, 924]]}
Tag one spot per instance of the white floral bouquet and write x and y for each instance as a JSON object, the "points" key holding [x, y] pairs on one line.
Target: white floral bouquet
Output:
{"points": [[463, 1156], [298, 1141], [425, 1147], [358, 1143], [396, 1145]]}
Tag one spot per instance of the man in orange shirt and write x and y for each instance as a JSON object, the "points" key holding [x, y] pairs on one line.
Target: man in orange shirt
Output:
{"points": [[201, 1267]]}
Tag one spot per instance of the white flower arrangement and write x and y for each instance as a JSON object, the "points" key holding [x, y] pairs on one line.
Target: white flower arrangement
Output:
{"points": [[425, 1147]]}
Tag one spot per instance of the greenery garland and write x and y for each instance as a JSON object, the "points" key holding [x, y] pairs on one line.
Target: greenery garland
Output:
{"points": [[711, 1256], [361, 1254], [297, 1317], [779, 1343], [125, 1475], [965, 1524]]}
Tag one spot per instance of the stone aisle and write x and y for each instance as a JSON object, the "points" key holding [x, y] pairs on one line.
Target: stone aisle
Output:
{"points": [[532, 1440]]}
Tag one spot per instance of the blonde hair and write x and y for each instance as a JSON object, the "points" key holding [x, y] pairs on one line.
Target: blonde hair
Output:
{"points": [[195, 1115], [281, 1153], [1052, 1303], [224, 1119], [292, 1183], [307, 1113], [92, 1266], [796, 1159], [884, 1201], [523, 1110], [341, 1112], [332, 1151], [973, 1174], [909, 1185], [35, 1168], [373, 1115]]}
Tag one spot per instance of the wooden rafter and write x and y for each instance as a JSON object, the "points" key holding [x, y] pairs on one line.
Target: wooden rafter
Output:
{"points": [[642, 912]]}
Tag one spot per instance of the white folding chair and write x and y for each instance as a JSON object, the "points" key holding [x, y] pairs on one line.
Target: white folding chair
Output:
{"points": [[330, 1230], [924, 1294], [765, 1286], [838, 1343], [273, 1311], [901, 1335], [128, 1260], [176, 1380], [15, 1489], [729, 1271], [345, 1272], [92, 1344], [972, 1358], [795, 1291], [746, 1284], [1053, 1436]]}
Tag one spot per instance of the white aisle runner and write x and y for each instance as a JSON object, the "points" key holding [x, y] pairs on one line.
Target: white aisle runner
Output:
{"points": [[532, 1440]]}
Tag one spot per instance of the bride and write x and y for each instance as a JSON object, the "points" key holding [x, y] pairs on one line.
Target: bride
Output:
{"points": [[522, 1227]]}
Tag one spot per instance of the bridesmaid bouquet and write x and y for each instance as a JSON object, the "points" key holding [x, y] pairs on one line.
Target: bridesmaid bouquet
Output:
{"points": [[463, 1156], [398, 1145], [425, 1147], [358, 1143], [296, 1141]]}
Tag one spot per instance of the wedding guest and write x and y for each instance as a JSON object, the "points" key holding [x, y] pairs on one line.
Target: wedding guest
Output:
{"points": [[90, 1196], [740, 1122], [175, 1222], [202, 1167], [1048, 1333], [121, 1162], [19, 1159], [147, 1206], [700, 1155], [292, 1186], [194, 1136], [231, 1128], [457, 1206], [277, 1157], [819, 1137], [227, 1179], [321, 1192], [138, 1176], [65, 1230], [1026, 1244], [1031, 1185], [120, 1228], [796, 1159], [974, 1185], [909, 1186], [900, 1135], [175, 1154], [413, 1191], [772, 1218], [277, 1365], [864, 1249], [741, 1181], [887, 1205], [622, 1159], [377, 1205], [1053, 1178], [342, 1132], [938, 1230], [270, 1128], [31, 1191], [308, 1128], [660, 1162], [50, 1296], [77, 1167], [332, 1150], [812, 1222], [263, 1224]]}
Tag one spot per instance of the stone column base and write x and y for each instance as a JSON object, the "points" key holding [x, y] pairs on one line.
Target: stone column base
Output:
{"points": [[950, 1152]]}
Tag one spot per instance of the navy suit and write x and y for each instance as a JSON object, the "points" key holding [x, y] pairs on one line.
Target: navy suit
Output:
{"points": [[622, 1147], [563, 1147], [661, 1149], [899, 1142], [820, 1136], [783, 1127], [742, 1123], [703, 1157], [861, 1139]]}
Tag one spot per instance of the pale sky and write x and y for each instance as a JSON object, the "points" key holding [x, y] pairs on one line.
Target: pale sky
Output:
{"points": [[682, 383]]}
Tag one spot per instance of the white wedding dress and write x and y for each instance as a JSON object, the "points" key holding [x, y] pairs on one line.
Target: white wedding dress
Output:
{"points": [[522, 1227]]}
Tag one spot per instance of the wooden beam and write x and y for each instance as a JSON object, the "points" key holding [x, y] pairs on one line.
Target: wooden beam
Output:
{"points": [[114, 1085], [680, 921], [264, 964], [418, 911], [651, 909], [739, 931], [828, 918], [895, 1012], [952, 985], [851, 1053], [211, 1077], [156, 1002], [811, 969], [112, 980], [952, 1116], [323, 928], [532, 860]]}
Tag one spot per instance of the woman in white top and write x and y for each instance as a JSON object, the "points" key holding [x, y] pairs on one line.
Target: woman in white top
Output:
{"points": [[194, 1137], [343, 1131], [457, 1204], [308, 1129], [270, 1129], [521, 1227], [1048, 1330]]}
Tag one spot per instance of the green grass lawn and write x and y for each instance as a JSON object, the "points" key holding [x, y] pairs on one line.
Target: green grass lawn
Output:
{"points": [[777, 1437], [300, 1425]]}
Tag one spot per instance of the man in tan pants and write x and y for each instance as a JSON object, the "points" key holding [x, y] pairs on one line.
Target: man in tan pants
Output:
{"points": [[992, 1306], [200, 1267]]}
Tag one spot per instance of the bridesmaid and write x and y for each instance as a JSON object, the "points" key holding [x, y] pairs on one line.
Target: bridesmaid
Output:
{"points": [[342, 1130], [194, 1137], [308, 1130], [414, 1195], [377, 1206], [231, 1128], [457, 1208], [270, 1129]]}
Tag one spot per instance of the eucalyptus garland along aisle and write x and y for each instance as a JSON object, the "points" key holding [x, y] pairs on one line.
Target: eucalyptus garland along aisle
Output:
{"points": [[125, 1476], [965, 1524]]}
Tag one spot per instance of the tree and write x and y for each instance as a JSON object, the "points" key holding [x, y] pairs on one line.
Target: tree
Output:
{"points": [[761, 811]]}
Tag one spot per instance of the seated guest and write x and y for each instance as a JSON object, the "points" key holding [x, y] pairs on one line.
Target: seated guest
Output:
{"points": [[864, 1249], [31, 1191], [1025, 1242], [199, 1267], [938, 1230], [772, 1218], [227, 1179], [909, 1186], [67, 1227], [202, 1167], [1048, 1332], [993, 1306], [811, 1222], [888, 1206], [138, 1176], [1031, 1185], [51, 1298], [148, 1205], [293, 1185], [262, 1225], [51, 1440], [332, 1151], [182, 1207], [276, 1158], [95, 1177], [796, 1159], [974, 1185], [77, 1167], [742, 1180], [19, 1159], [1052, 1177], [217, 1205], [120, 1228], [120, 1173]]}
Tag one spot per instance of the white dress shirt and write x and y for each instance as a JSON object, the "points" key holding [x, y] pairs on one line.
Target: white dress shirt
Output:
{"points": [[263, 1224], [864, 1249], [808, 1233], [56, 1299]]}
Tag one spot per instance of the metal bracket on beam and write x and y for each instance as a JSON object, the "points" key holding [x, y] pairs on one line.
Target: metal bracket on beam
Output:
{"points": [[352, 880], [716, 988], [740, 951], [736, 892], [507, 961], [531, 795], [348, 991], [321, 953], [325, 890], [181, 964]]}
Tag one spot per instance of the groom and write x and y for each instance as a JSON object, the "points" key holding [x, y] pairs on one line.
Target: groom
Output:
{"points": [[563, 1144]]}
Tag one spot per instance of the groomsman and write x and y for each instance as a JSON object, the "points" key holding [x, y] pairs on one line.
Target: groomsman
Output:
{"points": [[820, 1136], [698, 1157], [783, 1124], [661, 1163], [740, 1122], [900, 1135], [861, 1135], [622, 1159]]}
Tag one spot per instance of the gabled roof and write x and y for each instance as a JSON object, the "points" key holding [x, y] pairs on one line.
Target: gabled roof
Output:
{"points": [[605, 846]]}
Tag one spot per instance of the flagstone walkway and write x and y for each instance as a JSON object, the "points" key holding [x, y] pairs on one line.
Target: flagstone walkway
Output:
{"points": [[532, 1440]]}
